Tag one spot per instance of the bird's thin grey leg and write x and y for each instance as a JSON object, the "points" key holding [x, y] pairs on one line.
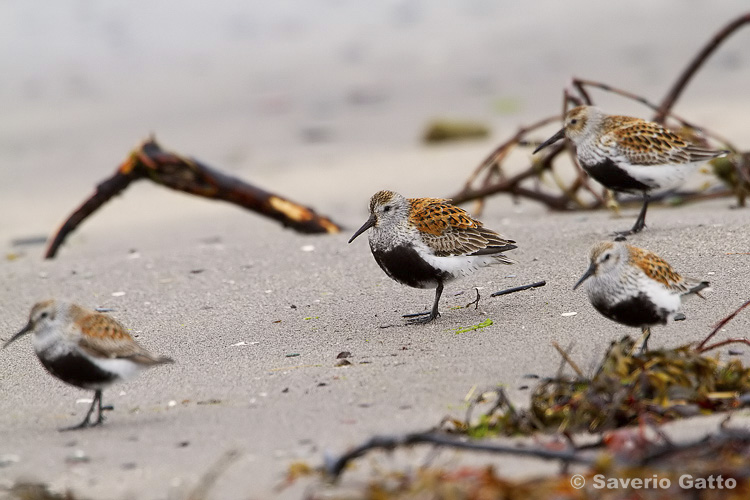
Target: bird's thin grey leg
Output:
{"points": [[640, 222], [427, 316], [100, 419], [96, 403]]}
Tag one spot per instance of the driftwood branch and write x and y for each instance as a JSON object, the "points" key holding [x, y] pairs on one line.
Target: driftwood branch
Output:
{"points": [[150, 161], [334, 466]]}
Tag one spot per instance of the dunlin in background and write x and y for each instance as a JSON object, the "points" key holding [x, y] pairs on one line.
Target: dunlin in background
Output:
{"points": [[630, 155], [426, 242], [84, 348], [635, 287]]}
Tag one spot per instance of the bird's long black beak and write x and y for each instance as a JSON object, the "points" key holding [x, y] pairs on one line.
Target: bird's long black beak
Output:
{"points": [[26, 329], [559, 135], [589, 273], [367, 225]]}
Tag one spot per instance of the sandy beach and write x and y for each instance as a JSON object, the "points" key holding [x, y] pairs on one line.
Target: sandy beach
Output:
{"points": [[255, 315]]}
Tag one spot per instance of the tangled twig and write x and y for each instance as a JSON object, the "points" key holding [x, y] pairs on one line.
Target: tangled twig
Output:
{"points": [[491, 176], [334, 466]]}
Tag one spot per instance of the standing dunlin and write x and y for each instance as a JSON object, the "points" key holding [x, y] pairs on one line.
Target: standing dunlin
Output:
{"points": [[425, 242], [84, 348], [634, 287], [629, 154]]}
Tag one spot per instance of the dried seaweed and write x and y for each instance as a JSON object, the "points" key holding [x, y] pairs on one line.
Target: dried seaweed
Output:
{"points": [[627, 389], [440, 131], [660, 385]]}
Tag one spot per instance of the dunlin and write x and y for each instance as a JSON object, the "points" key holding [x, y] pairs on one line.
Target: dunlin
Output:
{"points": [[84, 348], [634, 287], [630, 155], [426, 242]]}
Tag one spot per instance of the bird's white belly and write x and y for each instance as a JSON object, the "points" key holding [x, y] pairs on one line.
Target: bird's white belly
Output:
{"points": [[124, 368], [661, 177], [661, 296], [458, 265]]}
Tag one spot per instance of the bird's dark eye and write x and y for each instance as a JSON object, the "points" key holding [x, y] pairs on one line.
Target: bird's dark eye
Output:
{"points": [[387, 208], [573, 121], [44, 315], [605, 258]]}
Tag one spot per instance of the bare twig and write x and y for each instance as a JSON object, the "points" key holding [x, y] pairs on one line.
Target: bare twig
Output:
{"points": [[334, 466], [722, 343], [696, 63], [579, 86], [519, 288], [567, 359], [702, 346], [498, 155], [474, 302]]}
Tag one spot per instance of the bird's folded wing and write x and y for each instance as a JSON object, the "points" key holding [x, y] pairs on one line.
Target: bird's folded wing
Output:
{"points": [[658, 269], [450, 230], [646, 143], [104, 337]]}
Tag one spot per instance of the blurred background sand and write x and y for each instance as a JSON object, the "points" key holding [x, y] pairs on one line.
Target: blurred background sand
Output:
{"points": [[269, 90]]}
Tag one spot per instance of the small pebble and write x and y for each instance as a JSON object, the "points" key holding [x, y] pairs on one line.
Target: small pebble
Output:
{"points": [[77, 457]]}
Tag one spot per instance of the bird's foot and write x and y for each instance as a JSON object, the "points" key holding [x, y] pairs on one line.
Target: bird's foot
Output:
{"points": [[420, 318], [86, 423], [637, 228]]}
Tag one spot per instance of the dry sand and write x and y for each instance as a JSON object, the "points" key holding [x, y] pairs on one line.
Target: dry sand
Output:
{"points": [[231, 296]]}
